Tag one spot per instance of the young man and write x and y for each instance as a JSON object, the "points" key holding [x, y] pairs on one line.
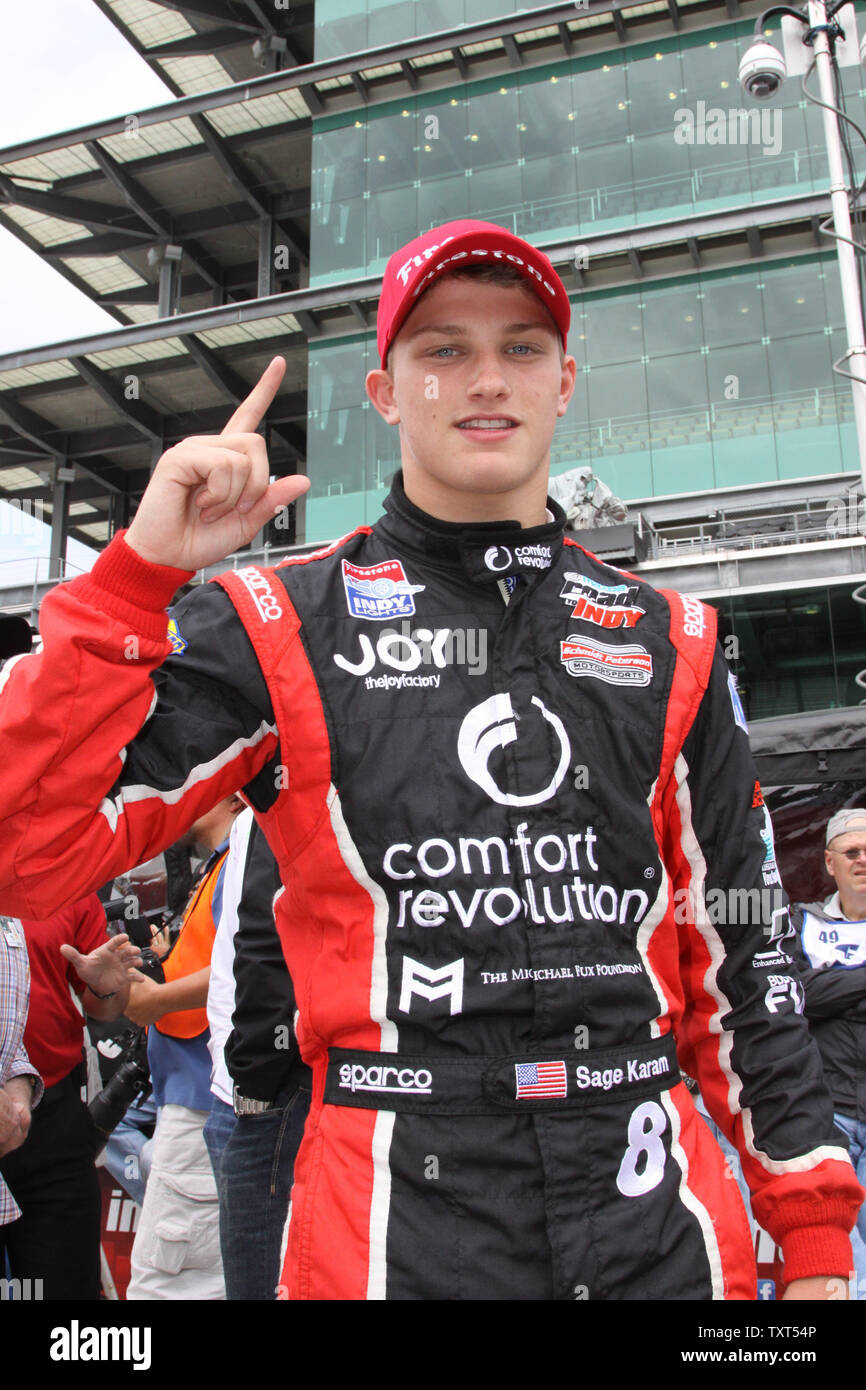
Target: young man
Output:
{"points": [[830, 949], [482, 859]]}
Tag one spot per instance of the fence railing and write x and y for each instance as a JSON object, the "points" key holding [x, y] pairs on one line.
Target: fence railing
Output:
{"points": [[816, 520], [56, 570]]}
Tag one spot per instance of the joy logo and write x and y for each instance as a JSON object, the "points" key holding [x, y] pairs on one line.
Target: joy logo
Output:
{"points": [[492, 725], [497, 557]]}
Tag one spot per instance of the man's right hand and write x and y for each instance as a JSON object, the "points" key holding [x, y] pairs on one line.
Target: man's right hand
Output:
{"points": [[210, 494]]}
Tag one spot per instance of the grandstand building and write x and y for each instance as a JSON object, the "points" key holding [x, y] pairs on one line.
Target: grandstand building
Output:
{"points": [[255, 211]]}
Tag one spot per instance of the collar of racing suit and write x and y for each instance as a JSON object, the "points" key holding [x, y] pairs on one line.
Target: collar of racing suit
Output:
{"points": [[487, 552]]}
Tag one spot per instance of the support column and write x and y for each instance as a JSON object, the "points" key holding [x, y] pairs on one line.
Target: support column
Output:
{"points": [[168, 258], [266, 258], [63, 476]]}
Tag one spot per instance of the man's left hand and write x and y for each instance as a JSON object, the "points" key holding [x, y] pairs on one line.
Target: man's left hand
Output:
{"points": [[105, 970]]}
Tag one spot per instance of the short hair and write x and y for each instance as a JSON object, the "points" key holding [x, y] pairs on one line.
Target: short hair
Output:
{"points": [[491, 273]]}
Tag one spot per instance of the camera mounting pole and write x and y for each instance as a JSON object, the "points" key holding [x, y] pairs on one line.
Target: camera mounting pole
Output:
{"points": [[763, 69], [851, 302]]}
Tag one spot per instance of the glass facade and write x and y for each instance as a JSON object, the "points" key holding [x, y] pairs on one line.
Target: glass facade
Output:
{"points": [[588, 145], [703, 381], [795, 651], [707, 381], [350, 26]]}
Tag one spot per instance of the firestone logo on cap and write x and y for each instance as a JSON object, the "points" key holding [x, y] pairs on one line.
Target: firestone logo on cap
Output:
{"points": [[419, 261], [411, 269], [485, 256]]}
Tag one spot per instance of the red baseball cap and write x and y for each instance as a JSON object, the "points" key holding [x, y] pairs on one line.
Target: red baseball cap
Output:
{"points": [[413, 268]]}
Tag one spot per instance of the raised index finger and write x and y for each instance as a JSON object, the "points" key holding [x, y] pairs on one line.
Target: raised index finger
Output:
{"points": [[252, 410]]}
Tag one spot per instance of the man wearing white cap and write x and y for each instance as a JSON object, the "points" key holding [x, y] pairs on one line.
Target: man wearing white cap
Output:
{"points": [[833, 965]]}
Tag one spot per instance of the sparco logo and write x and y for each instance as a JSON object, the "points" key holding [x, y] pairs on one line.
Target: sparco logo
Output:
{"points": [[262, 593], [695, 619], [356, 1077], [498, 557], [492, 725]]}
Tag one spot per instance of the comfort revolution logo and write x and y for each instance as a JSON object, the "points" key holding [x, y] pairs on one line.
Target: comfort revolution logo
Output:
{"points": [[497, 557], [492, 725]]}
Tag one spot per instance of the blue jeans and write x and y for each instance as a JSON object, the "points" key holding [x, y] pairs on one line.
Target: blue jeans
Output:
{"points": [[254, 1160], [855, 1133], [128, 1151], [733, 1160]]}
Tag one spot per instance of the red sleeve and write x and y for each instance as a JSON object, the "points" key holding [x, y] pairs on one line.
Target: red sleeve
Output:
{"points": [[743, 1035], [112, 743]]}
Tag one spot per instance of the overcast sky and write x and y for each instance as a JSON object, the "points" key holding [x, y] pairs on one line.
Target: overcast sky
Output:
{"points": [[64, 64]]}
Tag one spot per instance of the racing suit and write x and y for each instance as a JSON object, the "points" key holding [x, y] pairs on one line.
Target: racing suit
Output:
{"points": [[499, 779]]}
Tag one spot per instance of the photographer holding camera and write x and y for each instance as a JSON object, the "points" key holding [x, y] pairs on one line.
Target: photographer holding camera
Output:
{"points": [[176, 1252]]}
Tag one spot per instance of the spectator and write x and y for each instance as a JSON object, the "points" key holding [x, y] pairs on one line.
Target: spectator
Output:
{"points": [[20, 1084], [52, 1173], [154, 897], [255, 1125], [176, 1252], [831, 953]]}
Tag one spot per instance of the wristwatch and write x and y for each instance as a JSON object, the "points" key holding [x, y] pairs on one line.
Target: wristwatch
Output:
{"points": [[245, 1105]]}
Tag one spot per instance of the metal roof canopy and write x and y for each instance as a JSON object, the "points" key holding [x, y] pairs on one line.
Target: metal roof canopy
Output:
{"points": [[565, 29], [108, 201], [186, 42], [183, 205]]}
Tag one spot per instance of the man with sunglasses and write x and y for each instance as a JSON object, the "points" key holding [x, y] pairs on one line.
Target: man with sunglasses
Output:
{"points": [[832, 958]]}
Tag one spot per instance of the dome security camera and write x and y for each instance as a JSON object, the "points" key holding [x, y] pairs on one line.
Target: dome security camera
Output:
{"points": [[762, 70]]}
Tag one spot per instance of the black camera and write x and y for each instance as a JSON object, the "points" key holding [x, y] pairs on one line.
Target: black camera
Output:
{"points": [[131, 1077]]}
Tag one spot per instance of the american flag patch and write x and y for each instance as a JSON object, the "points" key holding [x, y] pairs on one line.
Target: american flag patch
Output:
{"points": [[535, 1080]]}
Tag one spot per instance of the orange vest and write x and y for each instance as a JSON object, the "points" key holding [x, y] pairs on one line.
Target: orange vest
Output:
{"points": [[192, 952]]}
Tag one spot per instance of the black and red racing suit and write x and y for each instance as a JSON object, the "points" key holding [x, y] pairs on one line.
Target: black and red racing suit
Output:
{"points": [[504, 783]]}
